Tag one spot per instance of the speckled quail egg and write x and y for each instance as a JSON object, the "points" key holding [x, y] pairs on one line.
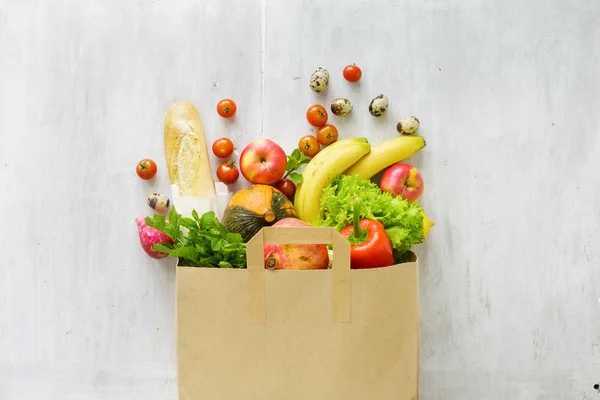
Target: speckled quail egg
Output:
{"points": [[378, 105], [158, 202], [341, 106], [319, 80], [408, 125]]}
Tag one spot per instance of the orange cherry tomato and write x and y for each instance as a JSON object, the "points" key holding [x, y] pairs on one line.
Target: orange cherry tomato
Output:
{"points": [[227, 172], [352, 73], [327, 134], [309, 145], [146, 169], [316, 115], [226, 108], [222, 147], [287, 187]]}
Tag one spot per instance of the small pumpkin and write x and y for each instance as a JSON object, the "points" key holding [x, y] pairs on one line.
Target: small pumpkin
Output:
{"points": [[254, 207]]}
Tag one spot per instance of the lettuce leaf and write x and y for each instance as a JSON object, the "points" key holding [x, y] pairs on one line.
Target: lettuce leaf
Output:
{"points": [[403, 221]]}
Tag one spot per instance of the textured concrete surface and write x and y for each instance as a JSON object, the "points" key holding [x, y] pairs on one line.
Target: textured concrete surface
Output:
{"points": [[508, 96]]}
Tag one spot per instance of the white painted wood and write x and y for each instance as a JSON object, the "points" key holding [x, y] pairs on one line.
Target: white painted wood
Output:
{"points": [[507, 97]]}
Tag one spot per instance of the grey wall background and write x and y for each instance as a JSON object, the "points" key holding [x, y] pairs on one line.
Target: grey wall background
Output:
{"points": [[508, 96]]}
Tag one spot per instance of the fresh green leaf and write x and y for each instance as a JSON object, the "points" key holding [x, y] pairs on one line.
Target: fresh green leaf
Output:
{"points": [[296, 178], [294, 161], [207, 220], [225, 264], [234, 238], [291, 163], [163, 247], [189, 223], [222, 230], [217, 244], [195, 216], [172, 227], [188, 253], [158, 222], [212, 260]]}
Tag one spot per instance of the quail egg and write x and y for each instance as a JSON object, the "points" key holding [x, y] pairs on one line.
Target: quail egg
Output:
{"points": [[158, 202], [341, 106], [319, 80], [408, 125], [378, 105]]}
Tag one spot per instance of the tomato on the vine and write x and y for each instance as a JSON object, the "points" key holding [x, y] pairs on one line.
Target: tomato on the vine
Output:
{"points": [[316, 115], [146, 169], [227, 172], [222, 147], [287, 187], [226, 108], [327, 134], [352, 73], [309, 145]]}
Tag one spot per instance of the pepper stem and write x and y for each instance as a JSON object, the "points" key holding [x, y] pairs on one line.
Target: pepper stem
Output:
{"points": [[359, 235], [357, 229]]}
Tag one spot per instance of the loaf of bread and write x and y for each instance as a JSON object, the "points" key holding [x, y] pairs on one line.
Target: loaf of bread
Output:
{"points": [[186, 151]]}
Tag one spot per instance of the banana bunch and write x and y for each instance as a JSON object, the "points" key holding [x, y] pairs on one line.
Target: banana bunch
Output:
{"points": [[350, 156], [384, 154], [328, 164]]}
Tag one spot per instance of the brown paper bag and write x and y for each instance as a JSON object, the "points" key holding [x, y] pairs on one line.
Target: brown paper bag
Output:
{"points": [[335, 334]]}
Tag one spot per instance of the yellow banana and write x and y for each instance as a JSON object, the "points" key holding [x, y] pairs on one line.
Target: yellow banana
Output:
{"points": [[325, 169], [315, 164], [384, 154]]}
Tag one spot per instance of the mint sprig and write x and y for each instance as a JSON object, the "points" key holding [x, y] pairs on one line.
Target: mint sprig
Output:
{"points": [[294, 161], [200, 241]]}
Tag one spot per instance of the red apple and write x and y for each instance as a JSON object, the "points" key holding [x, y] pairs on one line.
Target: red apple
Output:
{"points": [[402, 180], [263, 161]]}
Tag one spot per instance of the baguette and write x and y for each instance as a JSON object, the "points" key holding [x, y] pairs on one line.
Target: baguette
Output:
{"points": [[186, 151]]}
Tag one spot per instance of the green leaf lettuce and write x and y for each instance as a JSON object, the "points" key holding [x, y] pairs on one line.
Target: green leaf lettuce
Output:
{"points": [[403, 221]]}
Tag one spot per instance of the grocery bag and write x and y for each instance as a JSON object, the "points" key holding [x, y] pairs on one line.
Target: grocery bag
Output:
{"points": [[331, 334]]}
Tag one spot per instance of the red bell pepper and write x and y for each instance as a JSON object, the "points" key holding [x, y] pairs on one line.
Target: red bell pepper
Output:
{"points": [[370, 245]]}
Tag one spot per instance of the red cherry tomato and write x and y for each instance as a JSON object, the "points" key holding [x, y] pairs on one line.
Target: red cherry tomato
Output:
{"points": [[327, 134], [309, 145], [226, 108], [352, 73], [287, 187], [222, 147], [146, 169], [316, 115], [227, 172]]}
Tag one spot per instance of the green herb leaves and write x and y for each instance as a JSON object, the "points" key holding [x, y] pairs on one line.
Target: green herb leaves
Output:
{"points": [[201, 241], [294, 161]]}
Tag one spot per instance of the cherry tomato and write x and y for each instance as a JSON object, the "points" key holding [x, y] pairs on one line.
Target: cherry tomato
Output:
{"points": [[316, 115], [227, 172], [287, 187], [226, 108], [146, 169], [352, 73], [309, 145], [327, 134], [222, 147]]}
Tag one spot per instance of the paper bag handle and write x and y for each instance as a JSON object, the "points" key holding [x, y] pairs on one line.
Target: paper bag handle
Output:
{"points": [[340, 271]]}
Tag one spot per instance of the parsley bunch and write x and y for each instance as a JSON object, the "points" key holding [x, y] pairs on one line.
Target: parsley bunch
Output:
{"points": [[200, 242]]}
